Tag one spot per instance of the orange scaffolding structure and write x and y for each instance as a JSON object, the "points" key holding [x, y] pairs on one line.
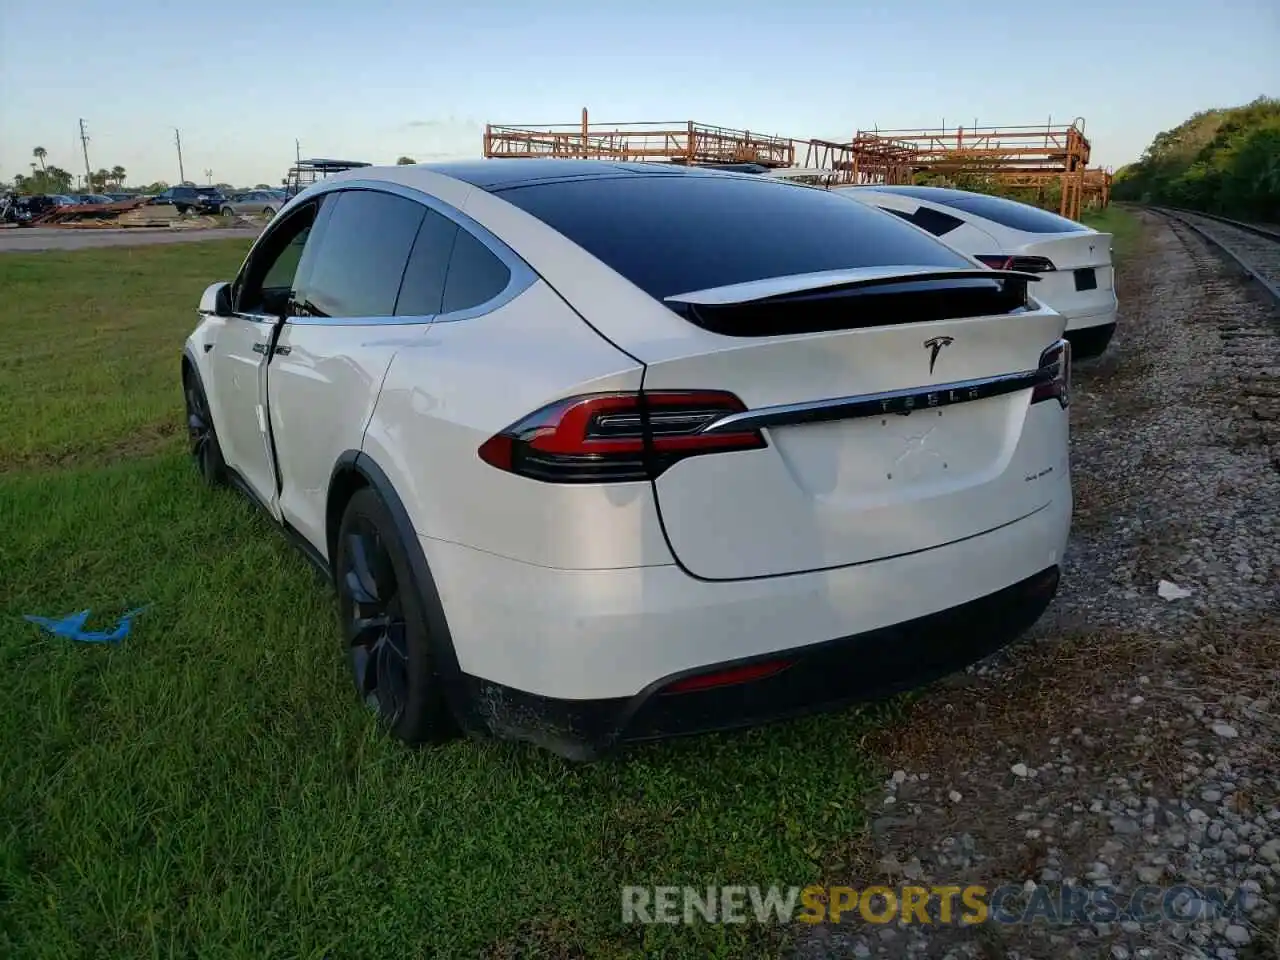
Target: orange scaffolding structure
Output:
{"points": [[679, 142], [863, 160], [1097, 187], [1027, 156], [1036, 156]]}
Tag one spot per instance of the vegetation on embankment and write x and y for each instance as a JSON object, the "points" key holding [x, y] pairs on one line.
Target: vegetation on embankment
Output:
{"points": [[1220, 161], [1123, 226]]}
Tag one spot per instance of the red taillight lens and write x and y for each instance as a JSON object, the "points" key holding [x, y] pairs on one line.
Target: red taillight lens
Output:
{"points": [[1055, 363], [616, 437], [1021, 264], [725, 678], [995, 261]]}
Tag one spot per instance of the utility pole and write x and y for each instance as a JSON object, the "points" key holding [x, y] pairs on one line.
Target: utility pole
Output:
{"points": [[177, 139], [297, 152], [208, 177], [84, 145]]}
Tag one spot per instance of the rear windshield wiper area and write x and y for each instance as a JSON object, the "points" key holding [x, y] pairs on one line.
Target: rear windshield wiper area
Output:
{"points": [[849, 308]]}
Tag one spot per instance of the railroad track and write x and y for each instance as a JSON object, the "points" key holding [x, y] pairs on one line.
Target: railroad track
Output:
{"points": [[1248, 334], [1256, 249]]}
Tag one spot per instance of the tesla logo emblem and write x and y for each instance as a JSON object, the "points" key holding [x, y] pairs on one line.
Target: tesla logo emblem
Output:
{"points": [[934, 347]]}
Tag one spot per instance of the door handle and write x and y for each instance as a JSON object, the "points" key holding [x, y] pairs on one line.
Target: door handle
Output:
{"points": [[278, 351]]}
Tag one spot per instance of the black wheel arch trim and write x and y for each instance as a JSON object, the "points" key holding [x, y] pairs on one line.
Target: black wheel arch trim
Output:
{"points": [[189, 356], [446, 657]]}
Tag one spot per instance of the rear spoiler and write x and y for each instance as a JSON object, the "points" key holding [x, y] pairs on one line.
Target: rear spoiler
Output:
{"points": [[754, 291]]}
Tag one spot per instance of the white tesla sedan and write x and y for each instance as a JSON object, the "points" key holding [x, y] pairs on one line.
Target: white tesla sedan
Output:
{"points": [[599, 452], [1072, 260]]}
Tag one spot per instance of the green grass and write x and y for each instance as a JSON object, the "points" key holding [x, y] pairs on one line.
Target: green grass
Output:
{"points": [[210, 787], [1120, 223]]}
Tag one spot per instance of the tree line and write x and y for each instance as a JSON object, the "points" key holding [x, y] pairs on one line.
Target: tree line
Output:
{"points": [[49, 178], [1225, 161]]}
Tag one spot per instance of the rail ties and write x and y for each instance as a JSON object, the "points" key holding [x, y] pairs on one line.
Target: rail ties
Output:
{"points": [[1255, 248]]}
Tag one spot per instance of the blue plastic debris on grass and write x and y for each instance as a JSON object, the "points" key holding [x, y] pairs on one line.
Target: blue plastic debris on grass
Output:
{"points": [[72, 627]]}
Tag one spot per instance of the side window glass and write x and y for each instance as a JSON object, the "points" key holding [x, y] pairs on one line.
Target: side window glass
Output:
{"points": [[422, 291], [284, 270], [361, 259], [475, 275], [268, 281]]}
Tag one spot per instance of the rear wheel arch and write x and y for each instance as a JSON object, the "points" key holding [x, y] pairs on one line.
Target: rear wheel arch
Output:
{"points": [[345, 480], [355, 471]]}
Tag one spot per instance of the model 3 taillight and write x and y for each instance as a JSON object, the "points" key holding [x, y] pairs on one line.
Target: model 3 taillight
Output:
{"points": [[1022, 264], [1055, 367], [616, 437]]}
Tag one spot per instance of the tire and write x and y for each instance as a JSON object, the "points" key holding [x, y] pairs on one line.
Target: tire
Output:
{"points": [[228, 212], [182, 209], [268, 212], [206, 452], [384, 625]]}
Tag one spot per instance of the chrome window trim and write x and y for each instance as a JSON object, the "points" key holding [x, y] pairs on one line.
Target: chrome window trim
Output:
{"points": [[522, 276], [264, 318]]}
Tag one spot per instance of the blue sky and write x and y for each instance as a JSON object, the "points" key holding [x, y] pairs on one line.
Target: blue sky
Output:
{"points": [[378, 78]]}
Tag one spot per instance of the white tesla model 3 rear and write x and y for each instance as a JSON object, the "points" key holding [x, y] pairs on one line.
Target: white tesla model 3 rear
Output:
{"points": [[1073, 261], [598, 453]]}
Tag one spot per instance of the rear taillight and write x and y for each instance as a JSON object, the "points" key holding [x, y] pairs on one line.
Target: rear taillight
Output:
{"points": [[1021, 264], [1055, 367], [616, 437]]}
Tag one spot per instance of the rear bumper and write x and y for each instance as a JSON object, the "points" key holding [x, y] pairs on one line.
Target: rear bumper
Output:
{"points": [[1091, 319], [819, 677], [1090, 341], [573, 659]]}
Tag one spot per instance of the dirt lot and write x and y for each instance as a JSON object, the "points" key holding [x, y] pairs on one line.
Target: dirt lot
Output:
{"points": [[56, 238], [1133, 740]]}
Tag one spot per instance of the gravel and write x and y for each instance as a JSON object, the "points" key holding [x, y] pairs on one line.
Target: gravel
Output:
{"points": [[1129, 740]]}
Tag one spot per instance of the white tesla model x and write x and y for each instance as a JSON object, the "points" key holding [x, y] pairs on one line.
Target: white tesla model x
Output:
{"points": [[1073, 261], [598, 453]]}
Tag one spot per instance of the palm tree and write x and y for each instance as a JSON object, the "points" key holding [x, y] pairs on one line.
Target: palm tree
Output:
{"points": [[59, 179], [117, 174], [40, 153]]}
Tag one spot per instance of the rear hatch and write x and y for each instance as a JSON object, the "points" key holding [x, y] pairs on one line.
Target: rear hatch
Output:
{"points": [[1082, 281], [883, 437], [889, 378]]}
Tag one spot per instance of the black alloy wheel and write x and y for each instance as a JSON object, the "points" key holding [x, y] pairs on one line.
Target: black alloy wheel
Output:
{"points": [[205, 450], [387, 642]]}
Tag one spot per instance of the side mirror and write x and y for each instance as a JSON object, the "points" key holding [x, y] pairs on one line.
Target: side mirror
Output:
{"points": [[216, 300]]}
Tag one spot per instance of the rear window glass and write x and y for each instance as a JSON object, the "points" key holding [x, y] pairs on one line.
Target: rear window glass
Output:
{"points": [[676, 234], [1008, 213]]}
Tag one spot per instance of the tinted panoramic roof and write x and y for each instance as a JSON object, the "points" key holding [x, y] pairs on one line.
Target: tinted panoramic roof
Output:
{"points": [[676, 234], [1008, 213], [501, 172]]}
